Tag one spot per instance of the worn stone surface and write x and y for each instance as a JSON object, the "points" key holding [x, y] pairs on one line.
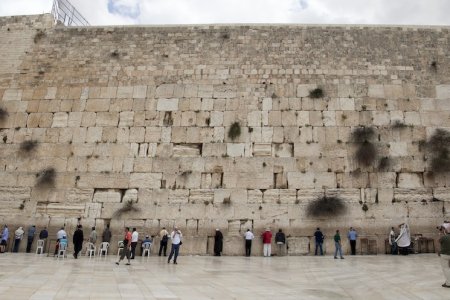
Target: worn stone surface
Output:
{"points": [[152, 127]]}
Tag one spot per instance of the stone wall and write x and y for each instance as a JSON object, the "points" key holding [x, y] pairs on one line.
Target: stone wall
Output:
{"points": [[142, 114]]}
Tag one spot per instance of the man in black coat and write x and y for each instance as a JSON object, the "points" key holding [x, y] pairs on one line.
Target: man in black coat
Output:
{"points": [[78, 241], [280, 239], [218, 243]]}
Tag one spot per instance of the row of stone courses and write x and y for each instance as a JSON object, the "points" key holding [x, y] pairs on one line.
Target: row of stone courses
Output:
{"points": [[224, 91]]}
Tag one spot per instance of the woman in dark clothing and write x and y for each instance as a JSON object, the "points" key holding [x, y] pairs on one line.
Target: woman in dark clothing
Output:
{"points": [[77, 241], [218, 243]]}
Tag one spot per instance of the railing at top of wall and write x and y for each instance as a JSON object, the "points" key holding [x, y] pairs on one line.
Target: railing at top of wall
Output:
{"points": [[65, 13]]}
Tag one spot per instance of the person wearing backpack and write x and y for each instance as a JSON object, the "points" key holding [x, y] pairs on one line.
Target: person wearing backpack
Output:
{"points": [[164, 236]]}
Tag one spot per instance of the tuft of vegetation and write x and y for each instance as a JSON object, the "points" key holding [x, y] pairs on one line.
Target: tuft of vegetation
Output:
{"points": [[433, 66], [366, 152], [46, 178], [438, 146], [225, 36], [226, 201], [3, 114], [234, 131], [28, 146], [115, 54], [326, 207], [384, 163], [363, 134], [316, 93], [38, 36], [399, 125], [128, 206], [365, 207]]}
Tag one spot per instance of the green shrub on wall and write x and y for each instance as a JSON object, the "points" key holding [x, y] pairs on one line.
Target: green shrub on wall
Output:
{"points": [[326, 207]]}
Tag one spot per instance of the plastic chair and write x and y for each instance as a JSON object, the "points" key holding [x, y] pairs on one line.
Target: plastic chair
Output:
{"points": [[146, 247], [62, 251], [90, 250], [40, 246], [121, 245], [103, 249]]}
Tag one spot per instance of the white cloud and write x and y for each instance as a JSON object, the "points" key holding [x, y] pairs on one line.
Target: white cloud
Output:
{"points": [[420, 12]]}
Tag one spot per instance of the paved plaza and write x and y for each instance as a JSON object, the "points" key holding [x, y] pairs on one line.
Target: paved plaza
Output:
{"points": [[30, 276]]}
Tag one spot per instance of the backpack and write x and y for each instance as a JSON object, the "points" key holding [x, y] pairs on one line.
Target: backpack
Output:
{"points": [[165, 238]]}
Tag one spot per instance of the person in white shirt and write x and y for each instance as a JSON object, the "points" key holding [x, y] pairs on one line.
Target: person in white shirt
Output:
{"points": [[59, 235], [248, 242], [175, 236], [134, 241], [18, 235]]}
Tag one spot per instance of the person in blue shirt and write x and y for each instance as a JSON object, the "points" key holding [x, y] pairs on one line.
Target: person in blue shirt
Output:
{"points": [[63, 243], [4, 238], [352, 236], [319, 240]]}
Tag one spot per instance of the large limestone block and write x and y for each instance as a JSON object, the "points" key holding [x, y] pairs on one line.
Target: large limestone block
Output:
{"points": [[283, 150], [261, 180], [186, 150], [75, 195], [298, 245], [108, 92], [108, 196], [393, 91], [235, 149], [298, 180], [179, 196], [107, 119], [201, 196], [93, 210], [376, 91], [60, 119], [271, 196], [214, 149], [262, 149], [130, 195], [140, 91], [124, 92], [288, 196], [304, 89], [412, 194], [410, 180], [443, 91], [145, 180], [165, 91], [193, 245], [442, 194], [167, 104], [96, 105]]}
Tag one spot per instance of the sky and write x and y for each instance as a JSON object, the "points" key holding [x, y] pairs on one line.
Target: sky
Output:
{"points": [[134, 12]]}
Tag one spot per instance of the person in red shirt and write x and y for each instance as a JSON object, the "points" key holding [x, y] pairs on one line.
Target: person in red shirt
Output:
{"points": [[267, 241], [127, 246]]}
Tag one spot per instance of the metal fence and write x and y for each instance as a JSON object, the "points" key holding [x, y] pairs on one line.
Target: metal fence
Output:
{"points": [[64, 12]]}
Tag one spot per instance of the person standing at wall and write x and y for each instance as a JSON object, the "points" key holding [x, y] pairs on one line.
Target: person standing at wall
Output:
{"points": [[134, 241], [267, 242], [43, 235], [280, 239], [445, 255], [93, 236], [59, 235], [318, 236], [218, 243], [106, 236], [127, 247], [164, 238], [352, 236], [30, 234], [392, 242], [18, 235], [248, 236], [404, 239], [337, 245], [78, 238], [175, 236], [4, 239]]}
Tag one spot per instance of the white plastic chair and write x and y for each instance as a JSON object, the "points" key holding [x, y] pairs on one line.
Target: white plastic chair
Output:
{"points": [[146, 247], [121, 246], [40, 247], [91, 249], [103, 249], [62, 251]]}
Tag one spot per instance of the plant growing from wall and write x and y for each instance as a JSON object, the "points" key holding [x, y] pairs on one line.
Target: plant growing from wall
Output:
{"points": [[326, 207], [128, 206], [384, 163], [226, 201], [363, 138], [234, 131], [38, 36], [28, 146], [316, 93], [438, 147], [46, 178], [3, 114]]}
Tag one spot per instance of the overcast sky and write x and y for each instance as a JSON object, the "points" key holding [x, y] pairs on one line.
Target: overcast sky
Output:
{"points": [[129, 12]]}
